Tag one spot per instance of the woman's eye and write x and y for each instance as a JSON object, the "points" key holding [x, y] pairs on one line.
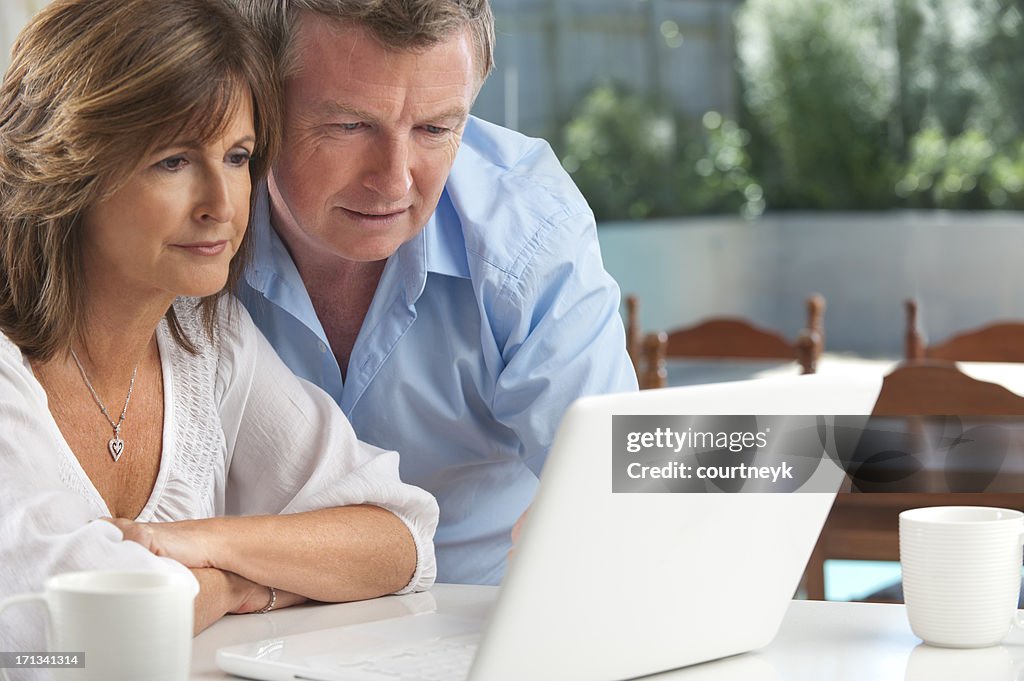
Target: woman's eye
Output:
{"points": [[173, 163]]}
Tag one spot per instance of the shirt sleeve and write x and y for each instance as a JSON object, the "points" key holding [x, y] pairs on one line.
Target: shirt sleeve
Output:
{"points": [[564, 336], [291, 449], [46, 528]]}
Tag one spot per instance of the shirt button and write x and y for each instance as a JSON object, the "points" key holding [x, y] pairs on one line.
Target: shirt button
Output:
{"points": [[323, 348]]}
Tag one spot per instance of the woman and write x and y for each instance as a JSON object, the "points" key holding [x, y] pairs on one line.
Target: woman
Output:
{"points": [[131, 390]]}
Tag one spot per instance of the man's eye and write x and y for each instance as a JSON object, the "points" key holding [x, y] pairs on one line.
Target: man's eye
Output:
{"points": [[348, 127], [435, 129], [239, 158]]}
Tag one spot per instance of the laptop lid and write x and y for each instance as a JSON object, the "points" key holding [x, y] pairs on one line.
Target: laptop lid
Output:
{"points": [[608, 585]]}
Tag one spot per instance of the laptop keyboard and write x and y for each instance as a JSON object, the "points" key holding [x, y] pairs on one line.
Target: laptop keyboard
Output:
{"points": [[445, 659]]}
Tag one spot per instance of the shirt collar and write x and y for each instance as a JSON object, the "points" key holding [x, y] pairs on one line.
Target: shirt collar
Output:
{"points": [[272, 272], [445, 242], [439, 248], [265, 258], [270, 257]]}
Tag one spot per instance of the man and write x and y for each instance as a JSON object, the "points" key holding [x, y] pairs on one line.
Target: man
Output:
{"points": [[439, 276]]}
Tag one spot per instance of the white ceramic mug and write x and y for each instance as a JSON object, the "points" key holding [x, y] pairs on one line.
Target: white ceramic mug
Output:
{"points": [[132, 626], [961, 573]]}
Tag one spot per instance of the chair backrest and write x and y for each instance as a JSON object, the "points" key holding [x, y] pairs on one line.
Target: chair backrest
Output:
{"points": [[936, 429], [937, 388], [865, 526], [722, 338], [998, 342]]}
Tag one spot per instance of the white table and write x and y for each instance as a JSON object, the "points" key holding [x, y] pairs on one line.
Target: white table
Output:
{"points": [[1010, 375], [818, 641]]}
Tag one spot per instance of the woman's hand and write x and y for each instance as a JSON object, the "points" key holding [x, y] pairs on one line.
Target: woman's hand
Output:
{"points": [[309, 554], [186, 541], [258, 597], [220, 591]]}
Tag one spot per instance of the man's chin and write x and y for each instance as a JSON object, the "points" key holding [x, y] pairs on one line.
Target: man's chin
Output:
{"points": [[370, 245], [366, 252]]}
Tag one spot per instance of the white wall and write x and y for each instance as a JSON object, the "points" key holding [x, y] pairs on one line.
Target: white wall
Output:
{"points": [[964, 267]]}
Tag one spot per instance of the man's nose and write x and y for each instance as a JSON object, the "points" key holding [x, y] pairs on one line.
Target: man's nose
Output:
{"points": [[390, 176]]}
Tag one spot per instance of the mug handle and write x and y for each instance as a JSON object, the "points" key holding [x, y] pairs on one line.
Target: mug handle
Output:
{"points": [[1018, 615], [24, 598]]}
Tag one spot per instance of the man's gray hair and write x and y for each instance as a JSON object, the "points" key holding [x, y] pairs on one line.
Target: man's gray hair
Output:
{"points": [[399, 24]]}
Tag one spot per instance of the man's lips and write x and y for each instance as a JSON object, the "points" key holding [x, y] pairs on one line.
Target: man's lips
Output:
{"points": [[375, 217]]}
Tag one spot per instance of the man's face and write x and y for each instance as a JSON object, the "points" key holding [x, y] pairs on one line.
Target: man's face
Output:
{"points": [[370, 137]]}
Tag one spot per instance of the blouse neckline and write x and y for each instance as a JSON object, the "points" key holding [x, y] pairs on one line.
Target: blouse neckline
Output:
{"points": [[167, 446]]}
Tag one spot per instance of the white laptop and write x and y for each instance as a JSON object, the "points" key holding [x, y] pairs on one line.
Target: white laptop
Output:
{"points": [[606, 585]]}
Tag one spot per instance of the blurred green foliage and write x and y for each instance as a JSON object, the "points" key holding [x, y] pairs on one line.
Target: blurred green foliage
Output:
{"points": [[965, 172], [819, 83], [634, 159], [847, 104], [861, 104]]}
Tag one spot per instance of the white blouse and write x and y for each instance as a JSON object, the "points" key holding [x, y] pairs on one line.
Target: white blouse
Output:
{"points": [[242, 436]]}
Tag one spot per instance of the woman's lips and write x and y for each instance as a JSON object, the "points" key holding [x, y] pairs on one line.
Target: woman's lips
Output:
{"points": [[206, 248]]}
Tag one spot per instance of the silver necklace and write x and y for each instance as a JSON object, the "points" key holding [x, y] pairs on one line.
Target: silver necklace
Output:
{"points": [[115, 445]]}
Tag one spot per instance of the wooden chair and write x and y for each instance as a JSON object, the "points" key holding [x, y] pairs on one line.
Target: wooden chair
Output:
{"points": [[653, 372], [998, 342], [634, 337], [865, 526], [646, 351], [722, 338]]}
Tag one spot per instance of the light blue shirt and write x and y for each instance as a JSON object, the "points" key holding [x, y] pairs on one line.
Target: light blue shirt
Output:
{"points": [[482, 331]]}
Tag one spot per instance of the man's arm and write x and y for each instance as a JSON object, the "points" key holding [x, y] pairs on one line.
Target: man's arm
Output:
{"points": [[563, 335]]}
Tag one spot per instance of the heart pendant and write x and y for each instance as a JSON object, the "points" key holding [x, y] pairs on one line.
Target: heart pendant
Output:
{"points": [[116, 446]]}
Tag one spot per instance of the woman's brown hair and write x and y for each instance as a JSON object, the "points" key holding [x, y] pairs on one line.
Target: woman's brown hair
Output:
{"points": [[94, 87]]}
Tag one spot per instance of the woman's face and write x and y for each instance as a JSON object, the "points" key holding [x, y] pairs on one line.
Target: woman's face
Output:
{"points": [[174, 226]]}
